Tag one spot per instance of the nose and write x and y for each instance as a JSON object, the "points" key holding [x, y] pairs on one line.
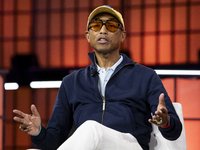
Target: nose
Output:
{"points": [[103, 29]]}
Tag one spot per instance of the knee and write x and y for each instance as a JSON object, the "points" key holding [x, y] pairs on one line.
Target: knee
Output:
{"points": [[91, 123], [92, 126]]}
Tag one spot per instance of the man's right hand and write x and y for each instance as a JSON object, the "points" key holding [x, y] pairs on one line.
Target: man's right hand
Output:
{"points": [[30, 124]]}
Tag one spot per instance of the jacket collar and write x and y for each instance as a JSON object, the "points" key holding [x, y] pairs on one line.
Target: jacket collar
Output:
{"points": [[126, 61]]}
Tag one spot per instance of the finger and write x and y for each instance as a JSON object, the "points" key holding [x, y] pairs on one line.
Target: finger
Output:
{"points": [[158, 112], [24, 127], [28, 129], [34, 110], [156, 121], [164, 110], [17, 119], [161, 110], [20, 113], [152, 121], [161, 100], [23, 121], [156, 117]]}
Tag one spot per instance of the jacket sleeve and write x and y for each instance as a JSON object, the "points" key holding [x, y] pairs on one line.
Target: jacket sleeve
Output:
{"points": [[59, 125], [155, 89]]}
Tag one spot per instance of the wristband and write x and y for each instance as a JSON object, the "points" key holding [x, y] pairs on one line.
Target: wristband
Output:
{"points": [[39, 131], [166, 126]]}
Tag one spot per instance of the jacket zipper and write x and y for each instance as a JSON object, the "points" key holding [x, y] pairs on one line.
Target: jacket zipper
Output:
{"points": [[104, 100], [104, 107], [104, 103]]}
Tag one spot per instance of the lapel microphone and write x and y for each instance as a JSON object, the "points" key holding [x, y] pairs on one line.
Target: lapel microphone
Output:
{"points": [[94, 72]]}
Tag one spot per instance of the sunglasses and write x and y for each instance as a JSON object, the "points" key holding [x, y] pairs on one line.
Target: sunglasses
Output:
{"points": [[112, 26]]}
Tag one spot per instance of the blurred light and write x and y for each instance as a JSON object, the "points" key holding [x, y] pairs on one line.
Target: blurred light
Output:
{"points": [[178, 72], [45, 84], [56, 84], [11, 86]]}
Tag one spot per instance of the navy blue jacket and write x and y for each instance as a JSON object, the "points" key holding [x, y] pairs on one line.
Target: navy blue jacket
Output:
{"points": [[131, 95]]}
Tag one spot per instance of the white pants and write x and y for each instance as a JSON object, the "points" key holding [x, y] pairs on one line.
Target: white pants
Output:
{"points": [[92, 135]]}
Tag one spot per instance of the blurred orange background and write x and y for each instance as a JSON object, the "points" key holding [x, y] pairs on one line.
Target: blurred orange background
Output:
{"points": [[159, 32]]}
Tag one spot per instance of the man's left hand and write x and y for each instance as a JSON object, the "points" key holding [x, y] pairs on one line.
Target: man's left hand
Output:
{"points": [[161, 116]]}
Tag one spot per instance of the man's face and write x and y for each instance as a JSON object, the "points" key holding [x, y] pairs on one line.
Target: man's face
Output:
{"points": [[103, 40]]}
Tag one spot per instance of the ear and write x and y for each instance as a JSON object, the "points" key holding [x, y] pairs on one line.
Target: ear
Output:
{"points": [[123, 36], [87, 36]]}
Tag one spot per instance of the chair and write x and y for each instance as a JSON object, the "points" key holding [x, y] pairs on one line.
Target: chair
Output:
{"points": [[158, 142]]}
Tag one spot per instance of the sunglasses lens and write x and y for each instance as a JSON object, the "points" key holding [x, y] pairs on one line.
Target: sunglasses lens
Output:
{"points": [[112, 26], [95, 25]]}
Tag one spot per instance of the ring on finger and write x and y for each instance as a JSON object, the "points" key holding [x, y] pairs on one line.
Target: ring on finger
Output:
{"points": [[20, 128], [160, 121]]}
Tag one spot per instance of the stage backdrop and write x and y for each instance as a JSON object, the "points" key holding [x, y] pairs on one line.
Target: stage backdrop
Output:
{"points": [[1, 112]]}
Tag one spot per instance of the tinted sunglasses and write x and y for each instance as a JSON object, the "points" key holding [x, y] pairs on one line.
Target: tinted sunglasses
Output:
{"points": [[112, 26]]}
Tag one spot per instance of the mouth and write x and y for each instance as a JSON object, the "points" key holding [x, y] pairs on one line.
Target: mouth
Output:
{"points": [[102, 40]]}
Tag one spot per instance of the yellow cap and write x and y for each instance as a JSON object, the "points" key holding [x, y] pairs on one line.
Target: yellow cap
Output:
{"points": [[105, 9]]}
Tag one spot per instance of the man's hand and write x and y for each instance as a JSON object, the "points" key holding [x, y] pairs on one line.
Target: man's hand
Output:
{"points": [[161, 116], [30, 124]]}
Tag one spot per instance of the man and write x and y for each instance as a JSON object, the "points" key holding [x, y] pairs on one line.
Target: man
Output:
{"points": [[117, 94]]}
